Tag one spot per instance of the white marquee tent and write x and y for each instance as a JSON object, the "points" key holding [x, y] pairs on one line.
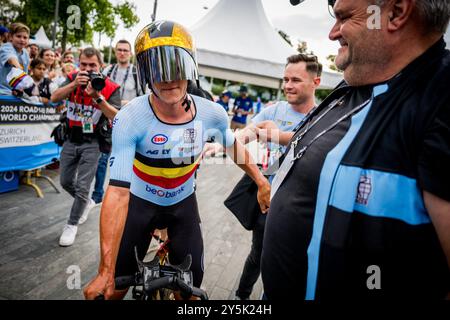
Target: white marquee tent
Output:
{"points": [[235, 41], [41, 39]]}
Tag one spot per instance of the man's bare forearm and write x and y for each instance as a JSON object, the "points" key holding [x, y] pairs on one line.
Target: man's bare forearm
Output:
{"points": [[108, 110], [112, 222], [63, 92], [439, 211], [285, 137]]}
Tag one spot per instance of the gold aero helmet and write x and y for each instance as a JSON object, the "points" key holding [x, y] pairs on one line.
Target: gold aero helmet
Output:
{"points": [[165, 52]]}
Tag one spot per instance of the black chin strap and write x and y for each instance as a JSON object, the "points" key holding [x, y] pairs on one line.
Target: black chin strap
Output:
{"points": [[186, 103]]}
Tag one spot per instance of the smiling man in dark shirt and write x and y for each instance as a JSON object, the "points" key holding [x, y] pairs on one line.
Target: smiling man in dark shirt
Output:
{"points": [[360, 206]]}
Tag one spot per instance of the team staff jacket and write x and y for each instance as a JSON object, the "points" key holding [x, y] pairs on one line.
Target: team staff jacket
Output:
{"points": [[157, 160], [370, 215]]}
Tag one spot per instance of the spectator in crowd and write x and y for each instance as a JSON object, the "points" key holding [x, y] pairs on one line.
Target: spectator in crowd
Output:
{"points": [[3, 35], [243, 106], [34, 51], [66, 69], [43, 87], [224, 99], [14, 54], [258, 105], [58, 54], [68, 57], [124, 72], [49, 57], [80, 153]]}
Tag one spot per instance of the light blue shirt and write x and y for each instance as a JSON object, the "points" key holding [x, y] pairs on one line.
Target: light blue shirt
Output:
{"points": [[7, 51], [286, 119]]}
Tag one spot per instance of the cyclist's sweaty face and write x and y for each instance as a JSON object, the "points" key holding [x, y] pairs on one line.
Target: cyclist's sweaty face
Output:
{"points": [[171, 92]]}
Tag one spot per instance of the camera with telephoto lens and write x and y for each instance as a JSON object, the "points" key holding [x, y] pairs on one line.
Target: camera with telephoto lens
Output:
{"points": [[97, 80]]}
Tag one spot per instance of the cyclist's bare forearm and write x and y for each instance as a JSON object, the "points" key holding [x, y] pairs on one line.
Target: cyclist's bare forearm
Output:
{"points": [[244, 160], [112, 222]]}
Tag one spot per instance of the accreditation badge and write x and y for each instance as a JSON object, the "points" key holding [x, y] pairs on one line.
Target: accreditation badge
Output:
{"points": [[87, 125]]}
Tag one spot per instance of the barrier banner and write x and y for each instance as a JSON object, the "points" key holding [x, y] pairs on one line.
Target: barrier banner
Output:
{"points": [[25, 129]]}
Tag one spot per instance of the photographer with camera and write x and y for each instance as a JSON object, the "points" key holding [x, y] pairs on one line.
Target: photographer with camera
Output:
{"points": [[92, 100]]}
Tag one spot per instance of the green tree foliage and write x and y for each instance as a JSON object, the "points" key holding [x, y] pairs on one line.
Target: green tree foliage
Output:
{"points": [[105, 54], [321, 94], [9, 10], [332, 64], [94, 15], [302, 47]]}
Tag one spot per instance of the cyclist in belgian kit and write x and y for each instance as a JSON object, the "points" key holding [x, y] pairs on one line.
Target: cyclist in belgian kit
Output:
{"points": [[157, 145]]}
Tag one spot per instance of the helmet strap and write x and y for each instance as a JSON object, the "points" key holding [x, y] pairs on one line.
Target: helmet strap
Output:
{"points": [[186, 103]]}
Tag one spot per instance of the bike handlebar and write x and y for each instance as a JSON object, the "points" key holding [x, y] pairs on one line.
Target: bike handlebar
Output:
{"points": [[125, 281], [171, 281], [164, 282]]}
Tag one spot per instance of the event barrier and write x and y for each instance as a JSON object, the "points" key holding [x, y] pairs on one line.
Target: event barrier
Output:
{"points": [[25, 142]]}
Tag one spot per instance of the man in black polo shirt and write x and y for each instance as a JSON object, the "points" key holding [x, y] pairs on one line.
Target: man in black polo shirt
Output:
{"points": [[361, 204]]}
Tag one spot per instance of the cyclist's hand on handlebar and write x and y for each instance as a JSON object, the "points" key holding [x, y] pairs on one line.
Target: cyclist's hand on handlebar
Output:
{"points": [[100, 285]]}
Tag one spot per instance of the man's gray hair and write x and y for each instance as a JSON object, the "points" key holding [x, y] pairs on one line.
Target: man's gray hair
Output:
{"points": [[434, 13]]}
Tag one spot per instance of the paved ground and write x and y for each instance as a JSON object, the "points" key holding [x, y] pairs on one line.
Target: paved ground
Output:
{"points": [[33, 266]]}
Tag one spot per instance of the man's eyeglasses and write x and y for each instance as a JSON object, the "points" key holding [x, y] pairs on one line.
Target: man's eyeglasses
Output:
{"points": [[122, 50], [330, 8], [330, 5]]}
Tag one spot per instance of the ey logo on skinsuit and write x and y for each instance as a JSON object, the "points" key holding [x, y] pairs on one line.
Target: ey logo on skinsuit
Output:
{"points": [[159, 139]]}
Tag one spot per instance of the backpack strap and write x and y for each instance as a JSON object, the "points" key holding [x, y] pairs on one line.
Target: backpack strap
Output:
{"points": [[111, 70]]}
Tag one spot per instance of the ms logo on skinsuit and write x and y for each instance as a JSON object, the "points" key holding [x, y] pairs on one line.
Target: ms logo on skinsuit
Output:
{"points": [[189, 135]]}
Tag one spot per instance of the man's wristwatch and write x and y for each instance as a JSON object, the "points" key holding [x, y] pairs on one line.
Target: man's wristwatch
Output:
{"points": [[99, 100]]}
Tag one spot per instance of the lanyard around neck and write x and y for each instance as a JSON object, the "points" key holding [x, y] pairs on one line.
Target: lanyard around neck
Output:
{"points": [[326, 130], [114, 75]]}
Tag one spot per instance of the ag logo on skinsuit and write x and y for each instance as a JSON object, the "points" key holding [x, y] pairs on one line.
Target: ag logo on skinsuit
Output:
{"points": [[159, 139]]}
